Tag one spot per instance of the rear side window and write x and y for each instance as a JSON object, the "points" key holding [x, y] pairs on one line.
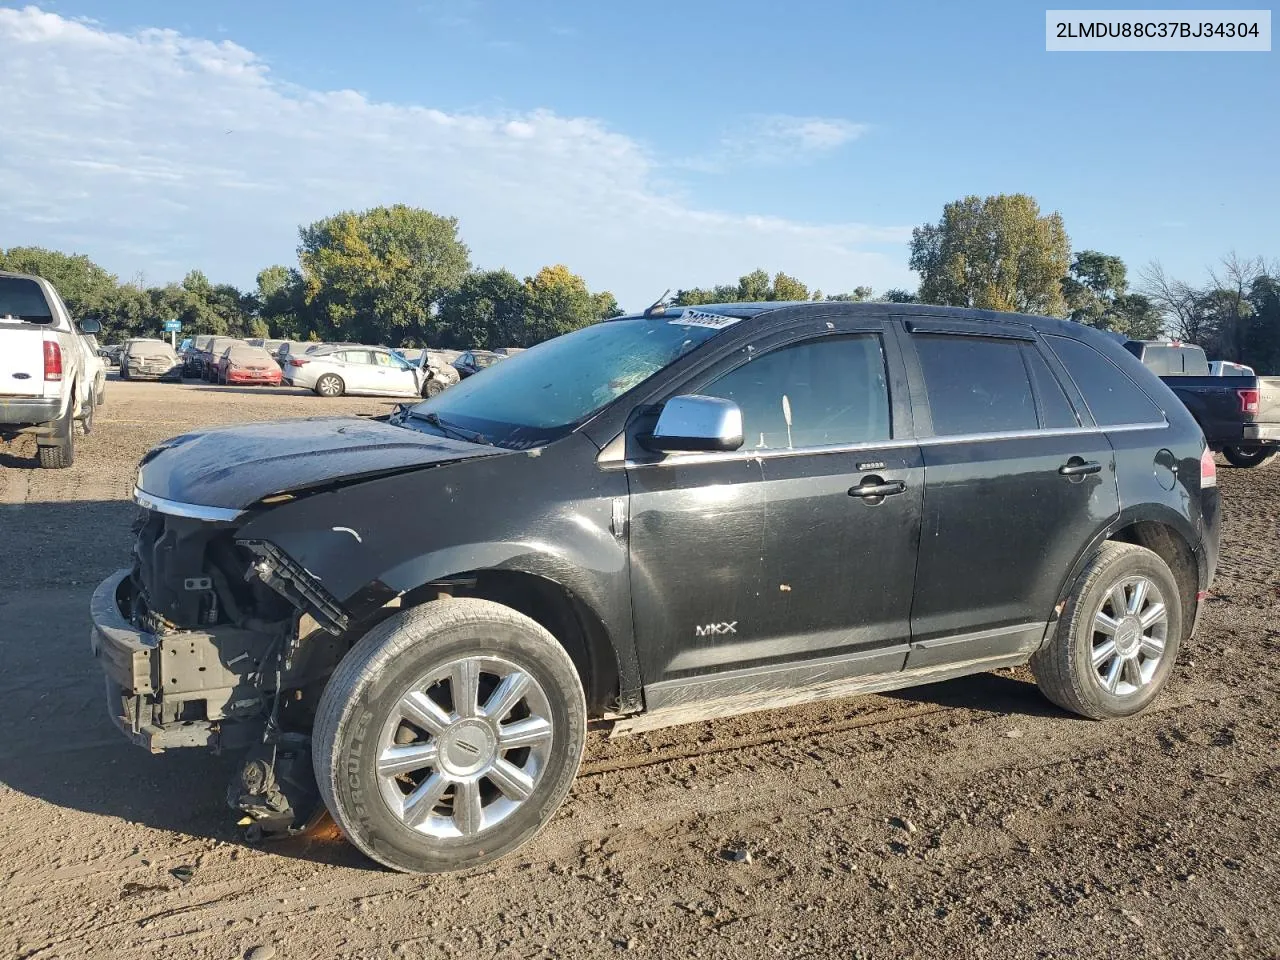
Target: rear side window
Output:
{"points": [[825, 392], [1056, 411], [1112, 397], [1170, 361], [975, 384], [22, 299]]}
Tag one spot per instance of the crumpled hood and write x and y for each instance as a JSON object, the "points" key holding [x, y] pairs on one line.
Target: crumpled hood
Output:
{"points": [[235, 467]]}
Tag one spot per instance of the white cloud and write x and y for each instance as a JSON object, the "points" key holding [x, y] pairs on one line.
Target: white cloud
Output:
{"points": [[779, 136], [157, 151]]}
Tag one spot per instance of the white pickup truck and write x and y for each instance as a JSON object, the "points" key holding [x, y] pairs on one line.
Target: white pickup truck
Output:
{"points": [[51, 377]]}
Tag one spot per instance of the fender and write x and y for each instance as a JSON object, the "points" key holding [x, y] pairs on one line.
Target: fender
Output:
{"points": [[1136, 513], [547, 512]]}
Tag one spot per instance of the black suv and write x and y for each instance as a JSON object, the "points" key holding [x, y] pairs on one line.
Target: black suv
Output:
{"points": [[653, 520]]}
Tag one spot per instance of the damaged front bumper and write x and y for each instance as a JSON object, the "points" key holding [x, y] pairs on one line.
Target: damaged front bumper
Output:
{"points": [[187, 688]]}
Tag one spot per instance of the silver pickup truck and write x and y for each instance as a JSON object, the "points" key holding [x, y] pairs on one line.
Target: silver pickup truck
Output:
{"points": [[51, 377]]}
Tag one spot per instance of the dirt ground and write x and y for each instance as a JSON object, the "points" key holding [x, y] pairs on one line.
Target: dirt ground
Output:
{"points": [[965, 819]]}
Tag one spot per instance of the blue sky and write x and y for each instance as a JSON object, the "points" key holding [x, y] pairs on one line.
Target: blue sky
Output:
{"points": [[646, 146]]}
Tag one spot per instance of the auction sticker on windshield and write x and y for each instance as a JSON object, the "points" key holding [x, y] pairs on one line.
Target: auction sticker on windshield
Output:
{"points": [[700, 318]]}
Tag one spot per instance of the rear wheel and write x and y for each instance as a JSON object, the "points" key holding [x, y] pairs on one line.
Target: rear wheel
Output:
{"points": [[1247, 456], [330, 385], [1116, 641], [449, 735], [60, 452]]}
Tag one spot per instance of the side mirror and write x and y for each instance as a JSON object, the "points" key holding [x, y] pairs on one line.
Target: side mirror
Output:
{"points": [[696, 423], [90, 325]]}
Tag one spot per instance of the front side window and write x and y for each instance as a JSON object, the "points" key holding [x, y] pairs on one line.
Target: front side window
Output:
{"points": [[975, 384], [825, 392], [387, 360], [1112, 397]]}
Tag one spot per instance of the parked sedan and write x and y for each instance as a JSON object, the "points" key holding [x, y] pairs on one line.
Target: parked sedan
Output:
{"points": [[473, 361], [372, 371], [142, 359], [241, 363], [211, 353]]}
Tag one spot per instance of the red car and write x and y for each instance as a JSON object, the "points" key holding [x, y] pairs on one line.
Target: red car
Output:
{"points": [[242, 363]]}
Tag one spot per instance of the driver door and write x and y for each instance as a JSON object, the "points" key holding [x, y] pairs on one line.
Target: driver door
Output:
{"points": [[768, 556], [395, 376]]}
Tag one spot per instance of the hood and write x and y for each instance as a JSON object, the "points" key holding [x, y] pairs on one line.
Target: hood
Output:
{"points": [[235, 467]]}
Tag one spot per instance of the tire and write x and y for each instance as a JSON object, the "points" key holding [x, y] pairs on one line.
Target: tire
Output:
{"points": [[433, 388], [359, 718], [330, 385], [1064, 667], [1247, 456], [63, 453]]}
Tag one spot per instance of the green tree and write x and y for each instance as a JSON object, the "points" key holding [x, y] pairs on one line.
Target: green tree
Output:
{"points": [[859, 295], [1137, 317], [380, 275], [557, 301], [86, 288], [753, 287], [281, 303], [898, 295], [787, 288], [1262, 342], [995, 253], [1096, 292], [486, 311]]}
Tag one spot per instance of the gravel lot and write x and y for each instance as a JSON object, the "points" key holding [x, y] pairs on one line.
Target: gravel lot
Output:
{"points": [[969, 818]]}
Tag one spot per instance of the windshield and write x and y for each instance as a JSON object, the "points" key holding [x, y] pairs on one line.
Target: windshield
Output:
{"points": [[542, 393]]}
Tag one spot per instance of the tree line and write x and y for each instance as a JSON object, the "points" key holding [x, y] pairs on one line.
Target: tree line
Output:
{"points": [[400, 275], [394, 275], [1001, 253]]}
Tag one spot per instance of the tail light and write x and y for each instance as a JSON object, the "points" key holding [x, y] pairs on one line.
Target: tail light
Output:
{"points": [[52, 360], [296, 363], [1208, 470], [1248, 400]]}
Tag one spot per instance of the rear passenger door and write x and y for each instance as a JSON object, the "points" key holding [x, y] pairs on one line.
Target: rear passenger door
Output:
{"points": [[1017, 484]]}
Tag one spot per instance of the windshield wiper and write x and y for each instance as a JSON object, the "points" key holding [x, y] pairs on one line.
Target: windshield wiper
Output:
{"points": [[448, 428]]}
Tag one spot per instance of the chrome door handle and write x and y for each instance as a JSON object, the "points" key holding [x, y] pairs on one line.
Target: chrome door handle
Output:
{"points": [[1075, 467], [874, 488]]}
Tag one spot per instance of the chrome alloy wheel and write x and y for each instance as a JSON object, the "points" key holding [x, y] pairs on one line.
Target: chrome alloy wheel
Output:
{"points": [[1130, 629], [465, 747]]}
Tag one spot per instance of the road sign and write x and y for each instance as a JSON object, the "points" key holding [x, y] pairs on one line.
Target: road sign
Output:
{"points": [[172, 326]]}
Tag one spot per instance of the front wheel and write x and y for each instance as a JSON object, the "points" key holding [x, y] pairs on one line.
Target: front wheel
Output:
{"points": [[330, 385], [433, 388], [449, 735], [1247, 456], [1114, 645]]}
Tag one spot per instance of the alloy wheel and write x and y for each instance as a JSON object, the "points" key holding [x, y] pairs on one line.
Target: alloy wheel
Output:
{"points": [[465, 747], [1130, 631]]}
